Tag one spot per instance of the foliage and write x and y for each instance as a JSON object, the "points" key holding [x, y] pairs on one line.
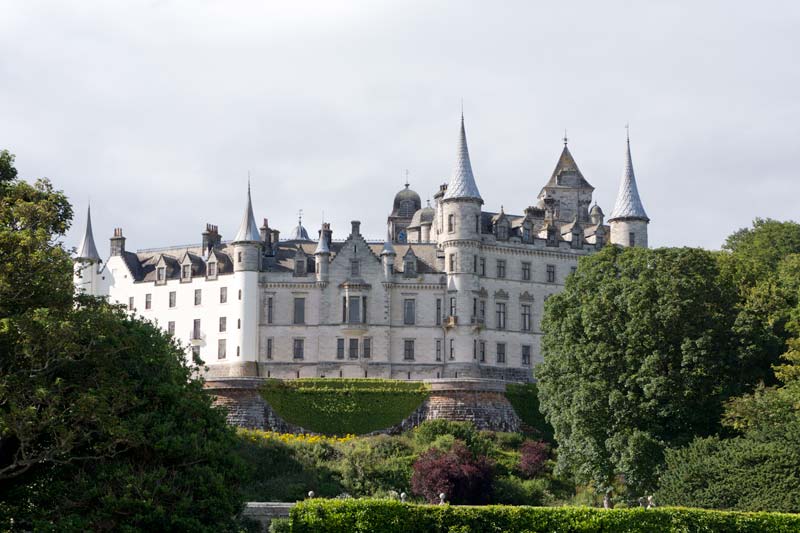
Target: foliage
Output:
{"points": [[755, 252], [463, 477], [344, 406], [256, 435], [512, 490], [389, 516], [376, 465], [428, 433], [524, 398], [102, 426], [533, 456], [640, 352]]}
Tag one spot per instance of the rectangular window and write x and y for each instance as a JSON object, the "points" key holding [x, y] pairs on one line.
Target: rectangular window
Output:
{"points": [[452, 306], [501, 315], [475, 309], [269, 348], [475, 264], [300, 266], [573, 269], [526, 355], [452, 349], [483, 266], [408, 350], [438, 311], [631, 239], [352, 352], [223, 295], [172, 299], [482, 346], [299, 348], [171, 327], [198, 296], [130, 303], [409, 311], [212, 270], [451, 223], [195, 351], [366, 347], [526, 317], [551, 273], [526, 271], [438, 349], [196, 329], [452, 263], [269, 310], [501, 352], [364, 309], [186, 271], [148, 301], [161, 274], [339, 348], [482, 311], [410, 268], [223, 324], [355, 268], [222, 347], [501, 268], [474, 348], [354, 310], [299, 311]]}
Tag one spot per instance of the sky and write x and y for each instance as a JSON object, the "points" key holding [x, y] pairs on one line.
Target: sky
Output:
{"points": [[157, 111]]}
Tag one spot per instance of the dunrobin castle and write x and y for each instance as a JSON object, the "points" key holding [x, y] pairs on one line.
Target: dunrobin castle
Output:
{"points": [[455, 291]]}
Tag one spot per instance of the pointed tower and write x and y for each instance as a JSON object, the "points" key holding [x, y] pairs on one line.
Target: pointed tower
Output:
{"points": [[247, 250], [322, 254], [628, 219], [459, 240], [567, 193], [87, 261]]}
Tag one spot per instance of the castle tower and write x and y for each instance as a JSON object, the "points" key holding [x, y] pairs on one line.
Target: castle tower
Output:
{"points": [[87, 261], [460, 241], [322, 254], [387, 258], [406, 203], [247, 248], [628, 219]]}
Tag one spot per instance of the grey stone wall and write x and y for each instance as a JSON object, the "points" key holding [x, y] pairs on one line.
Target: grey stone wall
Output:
{"points": [[480, 401]]}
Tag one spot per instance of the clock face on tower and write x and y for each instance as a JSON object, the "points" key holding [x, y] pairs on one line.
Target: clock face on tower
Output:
{"points": [[401, 236]]}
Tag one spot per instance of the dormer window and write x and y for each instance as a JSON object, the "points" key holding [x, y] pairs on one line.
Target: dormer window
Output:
{"points": [[577, 239], [599, 241], [526, 234], [410, 267], [552, 239], [161, 274], [300, 266], [502, 232], [186, 272], [212, 270]]}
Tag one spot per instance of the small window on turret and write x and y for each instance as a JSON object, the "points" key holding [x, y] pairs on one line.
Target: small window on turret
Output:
{"points": [[631, 239], [451, 223]]}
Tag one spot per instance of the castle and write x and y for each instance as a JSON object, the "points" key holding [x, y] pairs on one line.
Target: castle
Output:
{"points": [[454, 291]]}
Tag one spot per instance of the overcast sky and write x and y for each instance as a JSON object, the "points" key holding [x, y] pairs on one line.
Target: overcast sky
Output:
{"points": [[157, 110]]}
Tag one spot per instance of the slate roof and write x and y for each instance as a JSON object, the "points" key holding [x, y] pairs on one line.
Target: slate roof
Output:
{"points": [[462, 182], [87, 248], [628, 204], [566, 165], [248, 230]]}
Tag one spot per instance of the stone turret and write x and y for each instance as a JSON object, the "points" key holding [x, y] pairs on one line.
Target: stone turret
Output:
{"points": [[628, 219], [322, 254], [87, 261]]}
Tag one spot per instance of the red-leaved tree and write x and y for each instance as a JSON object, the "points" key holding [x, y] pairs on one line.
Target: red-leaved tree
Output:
{"points": [[461, 476], [533, 456]]}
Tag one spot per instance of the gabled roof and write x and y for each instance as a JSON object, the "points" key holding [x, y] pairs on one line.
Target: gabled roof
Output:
{"points": [[462, 182], [628, 204], [566, 165], [87, 248], [248, 230]]}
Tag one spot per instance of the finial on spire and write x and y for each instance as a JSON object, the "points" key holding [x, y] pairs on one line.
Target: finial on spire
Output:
{"points": [[462, 109], [300, 216], [627, 133], [406, 178], [566, 139]]}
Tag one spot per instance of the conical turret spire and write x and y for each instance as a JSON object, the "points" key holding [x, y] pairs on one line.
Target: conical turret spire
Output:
{"points": [[462, 182], [628, 204], [87, 249], [248, 230]]}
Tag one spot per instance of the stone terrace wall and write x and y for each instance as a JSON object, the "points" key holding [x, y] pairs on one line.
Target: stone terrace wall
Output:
{"points": [[480, 401]]}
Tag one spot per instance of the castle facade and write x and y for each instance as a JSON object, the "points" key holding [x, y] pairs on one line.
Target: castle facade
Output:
{"points": [[455, 291]]}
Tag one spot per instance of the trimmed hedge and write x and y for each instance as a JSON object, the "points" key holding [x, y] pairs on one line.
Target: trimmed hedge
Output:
{"points": [[344, 406], [391, 516], [524, 398]]}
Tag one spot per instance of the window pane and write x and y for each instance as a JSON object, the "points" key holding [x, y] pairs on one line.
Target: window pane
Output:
{"points": [[367, 348], [339, 348], [354, 309], [353, 351], [299, 310], [409, 312]]}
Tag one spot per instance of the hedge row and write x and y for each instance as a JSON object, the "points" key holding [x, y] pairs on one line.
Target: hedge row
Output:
{"points": [[390, 516], [524, 398], [344, 406]]}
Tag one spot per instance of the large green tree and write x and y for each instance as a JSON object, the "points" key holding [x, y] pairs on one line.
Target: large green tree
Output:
{"points": [[102, 424], [641, 349]]}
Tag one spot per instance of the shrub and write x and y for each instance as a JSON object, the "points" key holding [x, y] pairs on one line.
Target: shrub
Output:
{"points": [[512, 490], [524, 398], [389, 516], [375, 465], [463, 477], [427, 433], [533, 457], [343, 406]]}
